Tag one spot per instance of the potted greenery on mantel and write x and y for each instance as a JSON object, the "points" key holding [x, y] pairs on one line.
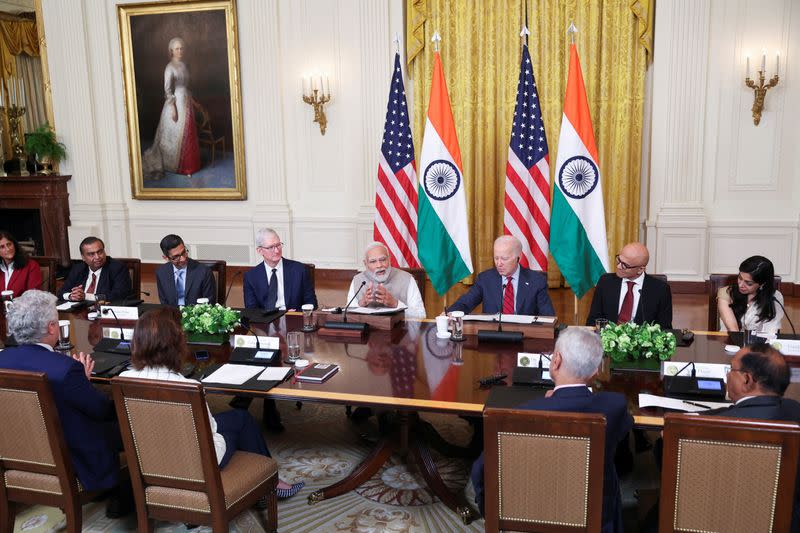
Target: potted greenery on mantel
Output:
{"points": [[42, 142]]}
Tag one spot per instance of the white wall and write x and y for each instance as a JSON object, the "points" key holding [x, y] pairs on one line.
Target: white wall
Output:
{"points": [[317, 191], [721, 188]]}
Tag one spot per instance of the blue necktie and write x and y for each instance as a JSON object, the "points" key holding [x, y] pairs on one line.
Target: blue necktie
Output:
{"points": [[181, 287], [272, 290]]}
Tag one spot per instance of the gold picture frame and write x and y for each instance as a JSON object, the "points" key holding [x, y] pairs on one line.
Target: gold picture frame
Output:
{"points": [[184, 120]]}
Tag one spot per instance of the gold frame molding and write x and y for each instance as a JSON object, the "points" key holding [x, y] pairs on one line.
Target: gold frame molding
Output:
{"points": [[125, 12]]}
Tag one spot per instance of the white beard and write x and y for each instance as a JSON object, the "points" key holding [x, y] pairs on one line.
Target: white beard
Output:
{"points": [[378, 279]]}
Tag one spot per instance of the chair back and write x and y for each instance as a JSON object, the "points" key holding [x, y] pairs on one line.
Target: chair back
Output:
{"points": [[660, 277], [134, 266], [419, 277], [726, 474], [218, 268], [311, 268], [167, 438], [714, 283], [543, 470], [33, 457], [48, 266]]}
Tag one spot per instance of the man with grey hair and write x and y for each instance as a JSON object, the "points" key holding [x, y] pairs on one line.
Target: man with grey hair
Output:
{"points": [[87, 417], [277, 283], [576, 359], [509, 287], [385, 286]]}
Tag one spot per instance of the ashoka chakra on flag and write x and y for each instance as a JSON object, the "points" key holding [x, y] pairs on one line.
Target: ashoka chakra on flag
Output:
{"points": [[441, 179], [578, 176]]}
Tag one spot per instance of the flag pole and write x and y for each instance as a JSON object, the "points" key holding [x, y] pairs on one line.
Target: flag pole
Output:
{"points": [[436, 40], [572, 30], [523, 35], [396, 42], [575, 316]]}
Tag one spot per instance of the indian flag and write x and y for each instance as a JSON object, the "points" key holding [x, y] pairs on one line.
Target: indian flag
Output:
{"points": [[443, 237], [578, 239]]}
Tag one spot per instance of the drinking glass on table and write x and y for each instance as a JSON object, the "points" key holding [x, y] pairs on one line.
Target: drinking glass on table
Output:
{"points": [[600, 324], [7, 297], [294, 340], [308, 317], [99, 299]]}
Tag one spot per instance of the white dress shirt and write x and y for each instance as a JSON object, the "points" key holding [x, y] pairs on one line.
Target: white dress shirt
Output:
{"points": [[8, 269], [89, 297], [637, 290], [280, 303], [163, 373]]}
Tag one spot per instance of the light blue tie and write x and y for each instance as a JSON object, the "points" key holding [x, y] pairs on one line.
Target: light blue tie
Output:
{"points": [[181, 287]]}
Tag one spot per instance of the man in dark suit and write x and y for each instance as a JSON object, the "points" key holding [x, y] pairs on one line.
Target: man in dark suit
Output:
{"points": [[97, 274], [182, 280], [277, 282], [87, 417], [576, 359], [509, 287], [641, 298]]}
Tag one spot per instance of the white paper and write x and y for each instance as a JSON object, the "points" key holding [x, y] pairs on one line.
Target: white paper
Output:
{"points": [[122, 312], [787, 346], [233, 374], [511, 319], [274, 373], [651, 400], [702, 370], [374, 310], [531, 360], [66, 306], [249, 341]]}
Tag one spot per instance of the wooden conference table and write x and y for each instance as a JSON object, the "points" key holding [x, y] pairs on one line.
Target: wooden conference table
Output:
{"points": [[410, 370]]}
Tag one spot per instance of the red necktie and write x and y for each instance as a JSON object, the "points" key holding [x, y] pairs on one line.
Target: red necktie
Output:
{"points": [[508, 298], [627, 305], [92, 285]]}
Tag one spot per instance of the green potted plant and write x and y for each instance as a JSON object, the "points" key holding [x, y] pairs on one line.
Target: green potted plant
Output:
{"points": [[634, 346], [42, 142], [208, 324]]}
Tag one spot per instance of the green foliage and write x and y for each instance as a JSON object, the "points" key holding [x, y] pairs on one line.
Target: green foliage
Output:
{"points": [[209, 319], [42, 142], [631, 342]]}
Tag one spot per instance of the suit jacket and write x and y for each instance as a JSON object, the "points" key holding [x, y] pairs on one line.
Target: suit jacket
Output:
{"points": [[655, 301], [199, 283], [768, 408], [23, 279], [618, 423], [87, 416], [114, 281], [297, 286], [532, 297]]}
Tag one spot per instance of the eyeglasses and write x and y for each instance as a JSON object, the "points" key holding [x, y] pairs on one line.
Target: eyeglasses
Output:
{"points": [[272, 248], [731, 369], [378, 260], [177, 257], [625, 265]]}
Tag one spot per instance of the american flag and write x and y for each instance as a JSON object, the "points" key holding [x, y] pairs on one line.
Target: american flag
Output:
{"points": [[527, 200], [396, 191]]}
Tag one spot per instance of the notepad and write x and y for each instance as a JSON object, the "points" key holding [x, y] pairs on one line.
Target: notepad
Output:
{"points": [[233, 374], [274, 373], [651, 400]]}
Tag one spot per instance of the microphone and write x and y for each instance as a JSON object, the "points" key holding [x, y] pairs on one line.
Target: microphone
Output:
{"points": [[255, 355], [499, 335], [344, 324], [145, 293], [794, 333], [678, 373], [245, 322], [122, 346], [119, 324], [692, 387], [230, 285], [344, 315]]}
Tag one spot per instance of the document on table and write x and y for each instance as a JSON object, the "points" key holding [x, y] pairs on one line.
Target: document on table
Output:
{"points": [[689, 406], [233, 374], [66, 306], [274, 373], [375, 310], [511, 319]]}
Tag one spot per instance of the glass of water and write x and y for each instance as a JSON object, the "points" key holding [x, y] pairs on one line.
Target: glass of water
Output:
{"points": [[294, 342], [308, 317], [457, 319]]}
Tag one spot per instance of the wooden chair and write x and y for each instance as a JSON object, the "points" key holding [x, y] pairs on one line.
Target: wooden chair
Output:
{"points": [[543, 470], [35, 467], [135, 271], [174, 471], [661, 277], [312, 269], [715, 281], [218, 268], [726, 474], [48, 266], [419, 277], [205, 133]]}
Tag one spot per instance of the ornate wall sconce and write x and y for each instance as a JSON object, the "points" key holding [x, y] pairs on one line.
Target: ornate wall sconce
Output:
{"points": [[760, 88], [317, 94]]}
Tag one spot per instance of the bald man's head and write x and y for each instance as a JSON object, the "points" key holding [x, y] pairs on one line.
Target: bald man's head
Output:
{"points": [[632, 260], [758, 370]]}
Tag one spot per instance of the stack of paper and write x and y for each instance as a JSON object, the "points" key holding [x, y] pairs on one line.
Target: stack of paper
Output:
{"points": [[689, 406], [233, 374]]}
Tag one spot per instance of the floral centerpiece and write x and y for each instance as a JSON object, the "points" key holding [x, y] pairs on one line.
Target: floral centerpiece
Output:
{"points": [[630, 342], [208, 323]]}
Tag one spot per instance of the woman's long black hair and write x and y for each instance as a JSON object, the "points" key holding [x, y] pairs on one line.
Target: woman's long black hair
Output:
{"points": [[20, 258], [763, 273]]}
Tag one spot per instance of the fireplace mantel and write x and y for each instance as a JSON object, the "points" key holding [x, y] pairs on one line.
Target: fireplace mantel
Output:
{"points": [[49, 195]]}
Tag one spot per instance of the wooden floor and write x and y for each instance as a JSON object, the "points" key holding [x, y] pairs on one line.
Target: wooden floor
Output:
{"points": [[689, 310]]}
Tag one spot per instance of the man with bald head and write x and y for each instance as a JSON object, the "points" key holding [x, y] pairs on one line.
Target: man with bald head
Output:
{"points": [[385, 286], [630, 295], [508, 287]]}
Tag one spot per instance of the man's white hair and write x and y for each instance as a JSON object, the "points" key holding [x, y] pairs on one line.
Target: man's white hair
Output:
{"points": [[30, 315], [375, 244], [516, 245], [263, 233], [581, 352]]}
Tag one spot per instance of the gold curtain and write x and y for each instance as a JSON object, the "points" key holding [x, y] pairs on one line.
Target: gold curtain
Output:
{"points": [[16, 37], [480, 52]]}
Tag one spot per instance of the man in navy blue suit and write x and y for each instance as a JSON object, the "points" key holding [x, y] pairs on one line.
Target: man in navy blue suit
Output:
{"points": [[87, 417], [97, 274], [509, 287], [277, 282], [576, 359]]}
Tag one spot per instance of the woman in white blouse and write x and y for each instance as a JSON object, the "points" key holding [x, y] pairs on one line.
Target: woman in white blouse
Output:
{"points": [[752, 302], [158, 349]]}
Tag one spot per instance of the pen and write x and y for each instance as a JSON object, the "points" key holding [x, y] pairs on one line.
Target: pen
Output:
{"points": [[697, 404]]}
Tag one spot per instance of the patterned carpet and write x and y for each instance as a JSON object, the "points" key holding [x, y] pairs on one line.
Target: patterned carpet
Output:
{"points": [[320, 446]]}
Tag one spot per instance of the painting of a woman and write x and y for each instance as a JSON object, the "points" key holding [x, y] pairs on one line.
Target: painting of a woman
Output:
{"points": [[175, 147]]}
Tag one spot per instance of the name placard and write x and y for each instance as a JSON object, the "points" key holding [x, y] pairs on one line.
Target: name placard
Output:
{"points": [[249, 341], [526, 359], [122, 312], [702, 370], [114, 333], [787, 346]]}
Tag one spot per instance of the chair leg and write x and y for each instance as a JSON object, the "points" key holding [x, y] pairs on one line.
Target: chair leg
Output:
{"points": [[74, 517], [219, 523], [143, 523], [272, 507], [7, 514]]}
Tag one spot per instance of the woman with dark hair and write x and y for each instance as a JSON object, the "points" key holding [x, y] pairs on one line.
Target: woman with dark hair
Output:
{"points": [[158, 349], [17, 272], [750, 303]]}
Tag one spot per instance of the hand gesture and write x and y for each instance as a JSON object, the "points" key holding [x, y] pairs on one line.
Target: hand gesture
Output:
{"points": [[366, 296], [87, 362], [384, 297], [77, 294]]}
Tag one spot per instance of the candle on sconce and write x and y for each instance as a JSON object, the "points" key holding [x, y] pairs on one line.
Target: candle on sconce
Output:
{"points": [[12, 90], [328, 85], [2, 94], [764, 61], [22, 92], [777, 63], [313, 84], [321, 86], [747, 72]]}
